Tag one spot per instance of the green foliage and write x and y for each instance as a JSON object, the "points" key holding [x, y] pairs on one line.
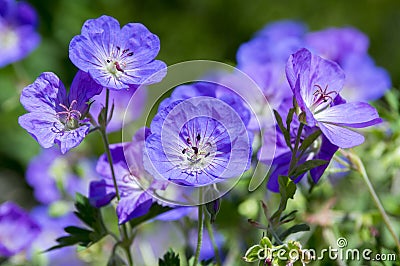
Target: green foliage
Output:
{"points": [[89, 215], [169, 259]]}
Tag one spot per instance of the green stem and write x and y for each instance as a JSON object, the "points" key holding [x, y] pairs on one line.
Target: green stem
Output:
{"points": [[214, 244], [359, 167], [293, 160], [110, 160], [124, 235], [199, 229]]}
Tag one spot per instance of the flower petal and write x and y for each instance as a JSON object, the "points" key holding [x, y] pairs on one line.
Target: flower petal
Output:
{"points": [[146, 74], [340, 136], [71, 138], [41, 126], [356, 114], [44, 94], [139, 40], [83, 88], [136, 204], [326, 152]]}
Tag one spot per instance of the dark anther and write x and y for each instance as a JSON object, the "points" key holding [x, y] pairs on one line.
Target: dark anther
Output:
{"points": [[208, 154], [183, 151], [196, 150], [124, 51], [108, 60], [118, 67], [118, 48], [198, 137], [130, 54], [188, 141]]}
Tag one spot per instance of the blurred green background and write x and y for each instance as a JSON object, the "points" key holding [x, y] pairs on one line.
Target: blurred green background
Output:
{"points": [[188, 29]]}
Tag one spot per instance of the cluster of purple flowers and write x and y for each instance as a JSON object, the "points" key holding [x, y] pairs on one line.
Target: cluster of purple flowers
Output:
{"points": [[202, 133], [18, 36]]}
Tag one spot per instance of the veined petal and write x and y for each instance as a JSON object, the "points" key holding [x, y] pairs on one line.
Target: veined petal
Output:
{"points": [[340, 136], [71, 138], [44, 94], [356, 114], [99, 25], [138, 39], [42, 127], [147, 74], [136, 204], [83, 88]]}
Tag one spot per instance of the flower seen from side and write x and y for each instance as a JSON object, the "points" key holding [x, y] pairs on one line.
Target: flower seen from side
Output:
{"points": [[55, 117], [117, 58], [135, 200], [316, 84]]}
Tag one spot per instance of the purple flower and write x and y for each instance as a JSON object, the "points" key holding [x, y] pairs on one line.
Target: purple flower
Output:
{"points": [[316, 84], [17, 229], [337, 44], [52, 228], [18, 36], [117, 58], [135, 200], [55, 177], [364, 80], [196, 142], [274, 43], [348, 47], [55, 117], [121, 99]]}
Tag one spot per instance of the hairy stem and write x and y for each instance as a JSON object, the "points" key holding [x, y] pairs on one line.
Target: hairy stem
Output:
{"points": [[199, 229], [214, 244], [359, 167]]}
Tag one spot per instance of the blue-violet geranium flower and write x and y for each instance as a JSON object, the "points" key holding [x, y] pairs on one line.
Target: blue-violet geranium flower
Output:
{"points": [[55, 117], [117, 58], [197, 142], [316, 84]]}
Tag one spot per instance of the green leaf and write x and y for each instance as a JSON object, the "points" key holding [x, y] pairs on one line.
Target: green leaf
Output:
{"points": [[294, 229], [287, 189], [154, 211], [89, 215], [252, 254], [265, 242], [288, 217], [289, 118], [170, 259], [285, 132], [307, 142], [306, 166], [101, 118]]}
